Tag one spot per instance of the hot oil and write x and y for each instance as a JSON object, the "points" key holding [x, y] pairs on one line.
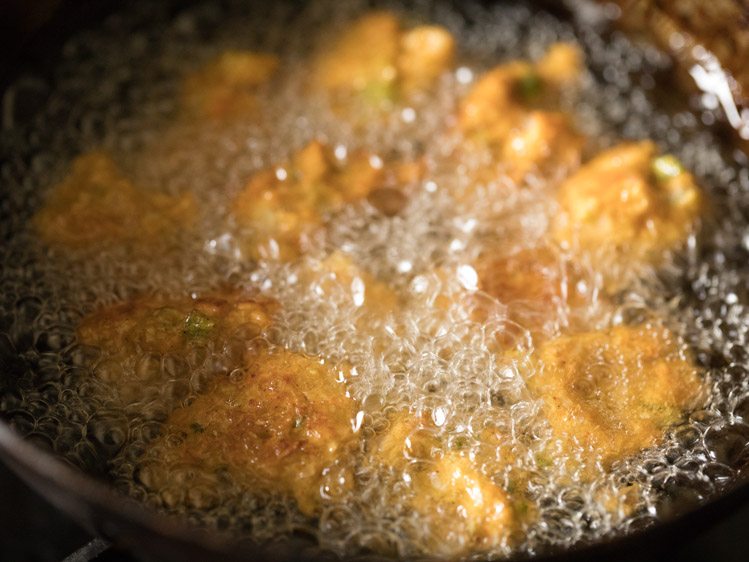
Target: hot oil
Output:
{"points": [[432, 358]]}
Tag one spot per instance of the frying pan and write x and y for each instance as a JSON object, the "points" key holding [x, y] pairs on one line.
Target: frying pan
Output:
{"points": [[33, 42]]}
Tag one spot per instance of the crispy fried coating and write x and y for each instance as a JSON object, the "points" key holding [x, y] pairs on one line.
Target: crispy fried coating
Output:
{"points": [[520, 86], [615, 391], [531, 274], [535, 291], [366, 291], [510, 111], [535, 284], [542, 141], [227, 86], [425, 52], [96, 204], [276, 428], [463, 509], [132, 335], [377, 61], [628, 204], [284, 206]]}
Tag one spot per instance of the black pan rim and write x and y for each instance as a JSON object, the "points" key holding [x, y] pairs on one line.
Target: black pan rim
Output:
{"points": [[30, 462]]}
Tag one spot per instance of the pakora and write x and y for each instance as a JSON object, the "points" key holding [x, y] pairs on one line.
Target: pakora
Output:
{"points": [[377, 61], [539, 286], [283, 207], [97, 205], [135, 337], [463, 509], [614, 392], [512, 112], [629, 205], [227, 86], [278, 427], [365, 291]]}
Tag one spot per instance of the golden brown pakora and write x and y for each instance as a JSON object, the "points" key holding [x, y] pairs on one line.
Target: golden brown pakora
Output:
{"points": [[284, 206], [614, 392], [519, 87], [629, 205], [227, 86], [96, 205], [134, 338], [536, 291], [538, 285], [511, 111], [377, 61], [463, 509], [338, 271], [530, 274], [279, 427]]}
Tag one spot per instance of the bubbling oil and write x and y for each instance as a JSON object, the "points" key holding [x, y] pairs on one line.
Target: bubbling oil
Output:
{"points": [[432, 360]]}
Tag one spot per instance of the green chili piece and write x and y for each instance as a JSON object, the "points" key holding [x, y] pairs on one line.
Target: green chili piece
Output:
{"points": [[666, 167], [529, 86], [198, 325], [459, 443]]}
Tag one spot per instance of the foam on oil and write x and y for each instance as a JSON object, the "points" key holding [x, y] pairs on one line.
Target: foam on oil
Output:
{"points": [[430, 359]]}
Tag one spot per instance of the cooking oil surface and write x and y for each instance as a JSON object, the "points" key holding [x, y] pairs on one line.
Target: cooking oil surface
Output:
{"points": [[117, 89]]}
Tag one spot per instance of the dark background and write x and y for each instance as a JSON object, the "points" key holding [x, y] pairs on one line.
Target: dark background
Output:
{"points": [[31, 530]]}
